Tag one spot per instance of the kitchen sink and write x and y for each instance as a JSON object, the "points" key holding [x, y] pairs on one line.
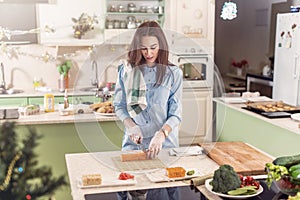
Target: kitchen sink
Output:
{"points": [[10, 91], [90, 89]]}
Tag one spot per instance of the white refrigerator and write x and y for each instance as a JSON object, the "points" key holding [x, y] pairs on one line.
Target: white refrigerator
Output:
{"points": [[287, 59]]}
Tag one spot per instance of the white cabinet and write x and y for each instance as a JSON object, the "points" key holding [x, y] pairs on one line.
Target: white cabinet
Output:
{"points": [[196, 123], [122, 17], [191, 18], [59, 17]]}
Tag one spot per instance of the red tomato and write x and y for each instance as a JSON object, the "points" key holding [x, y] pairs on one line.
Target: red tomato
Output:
{"points": [[125, 176], [248, 181]]}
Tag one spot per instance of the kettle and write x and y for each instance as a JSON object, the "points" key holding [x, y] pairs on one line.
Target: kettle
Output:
{"points": [[266, 70]]}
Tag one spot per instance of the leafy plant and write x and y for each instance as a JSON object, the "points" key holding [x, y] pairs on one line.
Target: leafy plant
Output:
{"points": [[64, 68]]}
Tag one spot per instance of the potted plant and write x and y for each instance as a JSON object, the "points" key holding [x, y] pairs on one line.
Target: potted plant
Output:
{"points": [[63, 70], [239, 66]]}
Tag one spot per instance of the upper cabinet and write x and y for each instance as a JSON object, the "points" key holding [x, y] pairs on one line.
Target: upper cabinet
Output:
{"points": [[60, 22], [122, 17], [192, 19], [117, 20], [26, 1]]}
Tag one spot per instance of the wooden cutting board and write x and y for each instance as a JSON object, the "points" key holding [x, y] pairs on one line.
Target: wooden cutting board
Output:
{"points": [[245, 159]]}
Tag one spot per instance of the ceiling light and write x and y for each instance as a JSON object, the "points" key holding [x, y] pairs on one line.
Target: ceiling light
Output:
{"points": [[229, 11]]}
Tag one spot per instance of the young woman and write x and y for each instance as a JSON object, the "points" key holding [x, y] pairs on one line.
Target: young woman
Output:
{"points": [[148, 97]]}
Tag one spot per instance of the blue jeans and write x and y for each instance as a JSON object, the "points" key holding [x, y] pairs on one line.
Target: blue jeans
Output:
{"points": [[156, 194]]}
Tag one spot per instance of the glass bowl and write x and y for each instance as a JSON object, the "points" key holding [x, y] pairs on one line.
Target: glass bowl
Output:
{"points": [[288, 185]]}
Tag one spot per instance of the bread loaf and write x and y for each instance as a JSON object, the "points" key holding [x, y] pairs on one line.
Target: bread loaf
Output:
{"points": [[91, 179], [138, 155], [175, 172], [101, 104]]}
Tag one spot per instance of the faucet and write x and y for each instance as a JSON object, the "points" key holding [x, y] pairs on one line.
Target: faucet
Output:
{"points": [[3, 84], [95, 67]]}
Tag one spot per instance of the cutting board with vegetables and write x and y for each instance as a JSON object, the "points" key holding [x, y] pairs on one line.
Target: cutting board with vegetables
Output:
{"points": [[245, 159]]}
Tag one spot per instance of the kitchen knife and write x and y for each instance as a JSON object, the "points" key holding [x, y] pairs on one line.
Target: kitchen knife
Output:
{"points": [[142, 146]]}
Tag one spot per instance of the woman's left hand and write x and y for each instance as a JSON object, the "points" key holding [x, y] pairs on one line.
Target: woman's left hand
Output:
{"points": [[156, 144]]}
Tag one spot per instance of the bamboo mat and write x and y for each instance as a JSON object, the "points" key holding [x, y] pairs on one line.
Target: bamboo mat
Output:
{"points": [[138, 164]]}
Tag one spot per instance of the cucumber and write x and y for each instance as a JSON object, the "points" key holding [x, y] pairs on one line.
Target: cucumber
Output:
{"points": [[296, 174], [287, 161], [294, 167], [247, 190], [238, 191]]}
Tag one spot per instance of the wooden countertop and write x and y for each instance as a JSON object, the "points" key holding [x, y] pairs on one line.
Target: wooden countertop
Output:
{"points": [[285, 123]]}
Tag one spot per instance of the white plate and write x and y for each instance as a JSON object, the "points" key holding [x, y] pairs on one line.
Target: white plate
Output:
{"points": [[111, 183], [105, 114], [296, 116], [209, 188], [160, 175], [244, 100]]}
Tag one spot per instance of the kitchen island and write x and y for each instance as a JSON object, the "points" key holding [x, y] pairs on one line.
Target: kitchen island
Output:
{"points": [[276, 137], [61, 135], [102, 163]]}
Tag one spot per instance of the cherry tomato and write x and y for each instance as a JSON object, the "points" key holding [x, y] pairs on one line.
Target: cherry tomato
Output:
{"points": [[125, 176]]}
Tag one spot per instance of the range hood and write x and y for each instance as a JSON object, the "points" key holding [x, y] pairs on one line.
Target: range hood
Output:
{"points": [[27, 1]]}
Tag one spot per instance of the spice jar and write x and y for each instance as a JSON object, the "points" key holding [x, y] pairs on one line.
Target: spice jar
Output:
{"points": [[116, 24], [109, 24], [123, 24]]}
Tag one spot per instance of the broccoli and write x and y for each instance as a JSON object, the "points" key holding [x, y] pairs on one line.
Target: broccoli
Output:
{"points": [[225, 179]]}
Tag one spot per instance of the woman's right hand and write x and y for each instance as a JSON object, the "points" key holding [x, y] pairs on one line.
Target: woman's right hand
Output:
{"points": [[135, 134], [133, 131]]}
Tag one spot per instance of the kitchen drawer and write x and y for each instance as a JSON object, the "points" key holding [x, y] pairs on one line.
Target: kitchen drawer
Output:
{"points": [[40, 100], [12, 101]]}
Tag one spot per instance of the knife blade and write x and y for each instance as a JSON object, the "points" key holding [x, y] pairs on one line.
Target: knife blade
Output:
{"points": [[142, 146]]}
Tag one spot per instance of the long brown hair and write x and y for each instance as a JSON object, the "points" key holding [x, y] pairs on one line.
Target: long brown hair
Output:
{"points": [[135, 58]]}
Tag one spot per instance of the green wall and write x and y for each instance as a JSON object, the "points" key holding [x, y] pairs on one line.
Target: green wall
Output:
{"points": [[60, 139]]}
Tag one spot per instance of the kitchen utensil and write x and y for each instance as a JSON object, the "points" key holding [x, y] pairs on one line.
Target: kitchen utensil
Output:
{"points": [[142, 146], [131, 7]]}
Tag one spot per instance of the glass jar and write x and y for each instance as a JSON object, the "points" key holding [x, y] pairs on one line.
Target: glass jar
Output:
{"points": [[116, 24]]}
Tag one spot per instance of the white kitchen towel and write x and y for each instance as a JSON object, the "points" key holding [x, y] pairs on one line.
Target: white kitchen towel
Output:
{"points": [[135, 87], [186, 151]]}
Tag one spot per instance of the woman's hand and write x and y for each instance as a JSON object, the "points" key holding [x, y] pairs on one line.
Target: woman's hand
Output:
{"points": [[155, 145], [135, 134]]}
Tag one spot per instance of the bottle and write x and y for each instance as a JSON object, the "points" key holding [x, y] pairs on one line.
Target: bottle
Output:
{"points": [[66, 101], [49, 102]]}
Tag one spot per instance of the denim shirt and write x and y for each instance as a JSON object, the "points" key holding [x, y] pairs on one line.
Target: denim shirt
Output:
{"points": [[164, 105]]}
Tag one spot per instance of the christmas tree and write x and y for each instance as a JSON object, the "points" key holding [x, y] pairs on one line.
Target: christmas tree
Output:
{"points": [[20, 178]]}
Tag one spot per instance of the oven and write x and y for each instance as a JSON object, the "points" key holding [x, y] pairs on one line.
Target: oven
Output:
{"points": [[196, 65], [198, 70]]}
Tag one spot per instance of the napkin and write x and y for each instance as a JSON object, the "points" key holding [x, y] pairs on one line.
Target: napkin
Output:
{"points": [[186, 151]]}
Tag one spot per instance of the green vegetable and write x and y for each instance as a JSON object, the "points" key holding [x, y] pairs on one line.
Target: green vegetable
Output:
{"points": [[225, 179], [287, 161], [190, 172], [275, 172], [294, 167], [247, 190], [296, 174]]}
